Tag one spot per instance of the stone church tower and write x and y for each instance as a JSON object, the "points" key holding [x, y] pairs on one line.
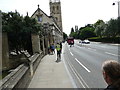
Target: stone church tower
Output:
{"points": [[55, 12]]}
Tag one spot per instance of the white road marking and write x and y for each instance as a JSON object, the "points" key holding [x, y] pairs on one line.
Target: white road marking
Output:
{"points": [[75, 74], [71, 53], [92, 49], [82, 65], [111, 54], [115, 44], [78, 46], [81, 77], [103, 46], [89, 48], [68, 72]]}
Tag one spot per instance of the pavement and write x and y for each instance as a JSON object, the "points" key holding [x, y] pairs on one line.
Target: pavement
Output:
{"points": [[51, 74]]}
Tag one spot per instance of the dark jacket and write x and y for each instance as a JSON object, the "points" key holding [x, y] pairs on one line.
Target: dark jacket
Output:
{"points": [[111, 87]]}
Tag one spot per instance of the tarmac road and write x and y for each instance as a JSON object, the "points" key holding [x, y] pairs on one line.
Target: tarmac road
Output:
{"points": [[84, 62]]}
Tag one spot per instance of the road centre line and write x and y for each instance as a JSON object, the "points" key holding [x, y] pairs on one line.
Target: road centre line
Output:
{"points": [[82, 65], [79, 47], [71, 53], [103, 46], [111, 54], [68, 48], [92, 49], [87, 48]]}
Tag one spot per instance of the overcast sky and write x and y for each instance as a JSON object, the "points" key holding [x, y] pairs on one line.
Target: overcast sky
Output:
{"points": [[74, 12]]}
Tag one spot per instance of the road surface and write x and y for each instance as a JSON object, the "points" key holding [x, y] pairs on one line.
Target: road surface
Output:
{"points": [[84, 62]]}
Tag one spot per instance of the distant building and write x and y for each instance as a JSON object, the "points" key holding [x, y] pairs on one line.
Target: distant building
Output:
{"points": [[76, 28]]}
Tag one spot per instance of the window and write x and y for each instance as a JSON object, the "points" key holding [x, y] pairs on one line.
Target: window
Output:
{"points": [[56, 18], [53, 8], [57, 7], [39, 18]]}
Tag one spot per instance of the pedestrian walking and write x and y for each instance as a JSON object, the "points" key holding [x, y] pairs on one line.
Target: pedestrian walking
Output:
{"points": [[58, 52], [61, 47], [52, 47], [111, 74]]}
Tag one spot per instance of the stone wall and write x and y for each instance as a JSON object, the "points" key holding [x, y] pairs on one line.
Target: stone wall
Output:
{"points": [[5, 52], [0, 42], [45, 18], [36, 43], [22, 75]]}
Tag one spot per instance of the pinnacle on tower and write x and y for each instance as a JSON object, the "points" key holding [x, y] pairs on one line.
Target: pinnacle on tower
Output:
{"points": [[27, 13], [38, 5]]}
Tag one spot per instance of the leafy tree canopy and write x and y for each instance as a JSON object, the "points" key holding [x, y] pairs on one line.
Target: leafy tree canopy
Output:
{"points": [[19, 30], [98, 23], [64, 36]]}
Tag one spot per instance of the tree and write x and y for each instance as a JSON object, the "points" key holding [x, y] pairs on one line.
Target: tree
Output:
{"points": [[12, 24], [118, 25], [64, 36], [72, 32], [19, 31], [29, 26], [98, 23], [87, 32], [112, 28], [100, 29]]}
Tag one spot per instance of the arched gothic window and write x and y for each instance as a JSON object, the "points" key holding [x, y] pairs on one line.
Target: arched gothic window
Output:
{"points": [[39, 19], [53, 8], [57, 7]]}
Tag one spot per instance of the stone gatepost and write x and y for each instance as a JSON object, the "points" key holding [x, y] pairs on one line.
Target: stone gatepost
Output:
{"points": [[35, 43], [46, 44], [43, 46], [5, 52], [51, 39]]}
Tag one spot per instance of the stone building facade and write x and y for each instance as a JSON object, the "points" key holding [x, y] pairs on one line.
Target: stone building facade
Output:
{"points": [[55, 12], [51, 25]]}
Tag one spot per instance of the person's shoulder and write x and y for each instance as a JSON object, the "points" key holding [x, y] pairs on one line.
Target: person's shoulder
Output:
{"points": [[111, 87]]}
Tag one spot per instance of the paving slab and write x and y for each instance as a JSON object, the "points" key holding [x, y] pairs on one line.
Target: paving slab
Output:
{"points": [[51, 74]]}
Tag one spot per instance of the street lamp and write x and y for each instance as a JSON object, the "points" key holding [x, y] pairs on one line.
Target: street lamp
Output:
{"points": [[118, 2]]}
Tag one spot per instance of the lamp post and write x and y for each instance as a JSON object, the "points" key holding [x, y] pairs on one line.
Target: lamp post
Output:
{"points": [[118, 2]]}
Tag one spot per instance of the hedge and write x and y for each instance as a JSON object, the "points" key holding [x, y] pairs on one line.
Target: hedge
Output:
{"points": [[105, 39]]}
